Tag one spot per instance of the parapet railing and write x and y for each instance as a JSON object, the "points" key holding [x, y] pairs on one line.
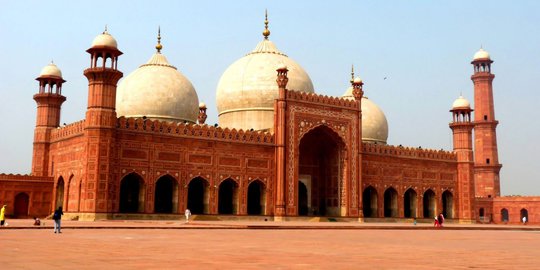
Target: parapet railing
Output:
{"points": [[195, 130], [321, 99], [409, 152]]}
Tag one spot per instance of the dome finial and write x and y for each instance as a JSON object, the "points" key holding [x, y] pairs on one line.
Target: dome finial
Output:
{"points": [[352, 74], [266, 32], [105, 31], [159, 46]]}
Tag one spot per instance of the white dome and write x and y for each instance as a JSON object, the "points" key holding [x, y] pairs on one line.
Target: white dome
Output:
{"points": [[247, 89], [105, 39], [481, 54], [374, 123], [158, 91], [461, 102], [51, 70]]}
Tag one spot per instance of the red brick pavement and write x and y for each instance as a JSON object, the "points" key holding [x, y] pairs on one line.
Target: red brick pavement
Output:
{"points": [[159, 245]]}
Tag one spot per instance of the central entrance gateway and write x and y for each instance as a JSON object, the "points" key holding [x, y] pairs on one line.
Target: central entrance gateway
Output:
{"points": [[320, 173]]}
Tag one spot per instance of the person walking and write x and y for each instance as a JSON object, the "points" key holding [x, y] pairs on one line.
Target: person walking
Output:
{"points": [[3, 215], [524, 219], [441, 219], [57, 216], [187, 213]]}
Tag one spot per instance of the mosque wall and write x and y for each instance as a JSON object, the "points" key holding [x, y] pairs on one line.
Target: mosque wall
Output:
{"points": [[184, 152], [508, 209], [26, 195], [385, 167]]}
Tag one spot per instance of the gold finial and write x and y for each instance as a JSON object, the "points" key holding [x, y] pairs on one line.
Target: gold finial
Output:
{"points": [[105, 31], [266, 32], [159, 46], [352, 73]]}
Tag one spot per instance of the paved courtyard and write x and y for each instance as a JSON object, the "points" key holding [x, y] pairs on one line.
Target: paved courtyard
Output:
{"points": [[174, 245]]}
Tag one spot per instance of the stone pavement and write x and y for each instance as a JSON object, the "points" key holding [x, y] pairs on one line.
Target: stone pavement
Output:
{"points": [[264, 245]]}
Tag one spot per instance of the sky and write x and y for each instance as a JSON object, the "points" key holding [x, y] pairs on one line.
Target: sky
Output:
{"points": [[423, 48]]}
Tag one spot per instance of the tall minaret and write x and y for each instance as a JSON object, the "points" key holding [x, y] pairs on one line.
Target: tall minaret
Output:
{"points": [[49, 101], [462, 127], [100, 123], [486, 158]]}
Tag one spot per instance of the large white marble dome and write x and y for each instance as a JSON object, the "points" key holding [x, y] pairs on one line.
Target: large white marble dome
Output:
{"points": [[374, 123], [247, 89], [157, 90]]}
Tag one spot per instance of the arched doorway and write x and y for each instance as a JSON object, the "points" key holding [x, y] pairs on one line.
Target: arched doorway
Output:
{"points": [[524, 213], [369, 202], [256, 198], [132, 194], [198, 196], [69, 191], [390, 203], [59, 192], [321, 160], [166, 195], [481, 213], [302, 199], [21, 205], [448, 204], [504, 215], [410, 203], [228, 197], [429, 204]]}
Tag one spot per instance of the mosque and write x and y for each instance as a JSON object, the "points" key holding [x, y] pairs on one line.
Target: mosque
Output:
{"points": [[281, 151]]}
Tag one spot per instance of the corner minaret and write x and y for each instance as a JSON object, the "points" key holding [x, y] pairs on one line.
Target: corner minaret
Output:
{"points": [[487, 166], [49, 101], [100, 124], [462, 127]]}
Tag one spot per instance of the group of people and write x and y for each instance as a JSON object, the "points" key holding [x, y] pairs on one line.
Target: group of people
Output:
{"points": [[439, 220]]}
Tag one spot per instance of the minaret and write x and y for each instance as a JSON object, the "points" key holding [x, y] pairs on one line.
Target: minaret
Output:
{"points": [[462, 127], [486, 158], [100, 124], [49, 101]]}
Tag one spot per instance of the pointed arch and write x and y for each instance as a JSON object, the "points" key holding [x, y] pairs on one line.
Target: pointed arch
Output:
{"points": [[256, 198], [390, 202], [369, 202], [410, 201], [504, 215], [166, 195], [524, 213], [69, 196], [228, 197], [448, 204], [322, 155], [59, 201], [132, 193], [429, 203], [22, 201], [198, 198]]}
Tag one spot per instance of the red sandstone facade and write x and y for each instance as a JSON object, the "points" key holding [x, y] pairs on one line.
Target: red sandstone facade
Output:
{"points": [[314, 164]]}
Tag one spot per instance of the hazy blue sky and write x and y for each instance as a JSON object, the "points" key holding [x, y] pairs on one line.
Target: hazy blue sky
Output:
{"points": [[424, 48]]}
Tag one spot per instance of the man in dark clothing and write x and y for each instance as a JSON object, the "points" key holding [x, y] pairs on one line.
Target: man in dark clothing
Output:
{"points": [[57, 216]]}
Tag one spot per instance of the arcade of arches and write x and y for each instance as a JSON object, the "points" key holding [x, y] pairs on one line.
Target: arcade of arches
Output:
{"points": [[198, 194], [428, 205]]}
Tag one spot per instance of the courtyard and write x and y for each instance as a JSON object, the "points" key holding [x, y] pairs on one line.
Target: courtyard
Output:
{"points": [[266, 245]]}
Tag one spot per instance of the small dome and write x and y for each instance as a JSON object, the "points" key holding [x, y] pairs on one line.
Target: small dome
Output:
{"points": [[247, 89], [374, 123], [51, 70], [481, 54], [202, 105], [105, 39], [158, 91], [461, 103], [357, 80]]}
